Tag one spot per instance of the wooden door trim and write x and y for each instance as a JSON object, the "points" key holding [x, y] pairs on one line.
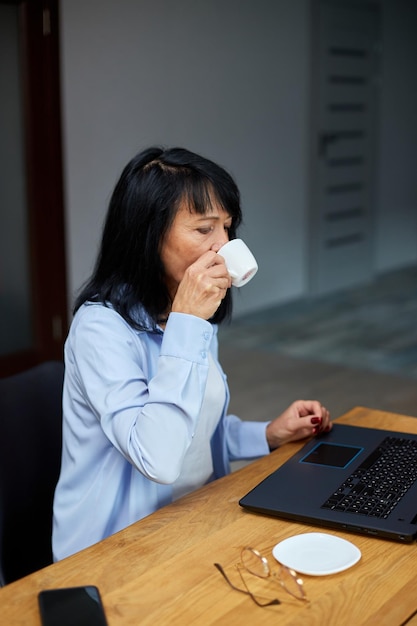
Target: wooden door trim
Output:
{"points": [[39, 22]]}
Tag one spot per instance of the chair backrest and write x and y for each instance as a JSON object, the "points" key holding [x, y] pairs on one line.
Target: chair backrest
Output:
{"points": [[30, 458]]}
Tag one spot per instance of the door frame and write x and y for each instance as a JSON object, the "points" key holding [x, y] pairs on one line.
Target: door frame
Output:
{"points": [[38, 27]]}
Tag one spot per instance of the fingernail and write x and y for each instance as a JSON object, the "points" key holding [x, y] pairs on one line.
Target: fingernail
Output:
{"points": [[316, 420], [315, 430]]}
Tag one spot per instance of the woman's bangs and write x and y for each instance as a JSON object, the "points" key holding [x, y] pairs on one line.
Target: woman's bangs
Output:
{"points": [[202, 197]]}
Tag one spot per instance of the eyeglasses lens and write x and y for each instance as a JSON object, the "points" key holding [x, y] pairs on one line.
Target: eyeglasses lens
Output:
{"points": [[291, 582], [255, 563], [258, 565]]}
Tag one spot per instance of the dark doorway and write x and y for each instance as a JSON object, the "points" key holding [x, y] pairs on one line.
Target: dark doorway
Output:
{"points": [[33, 301]]}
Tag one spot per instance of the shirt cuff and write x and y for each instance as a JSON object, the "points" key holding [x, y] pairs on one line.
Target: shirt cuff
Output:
{"points": [[187, 337]]}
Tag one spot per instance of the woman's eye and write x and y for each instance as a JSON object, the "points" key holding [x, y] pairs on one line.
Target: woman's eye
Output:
{"points": [[206, 230]]}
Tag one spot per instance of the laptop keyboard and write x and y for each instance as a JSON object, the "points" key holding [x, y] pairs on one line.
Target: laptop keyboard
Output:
{"points": [[379, 483]]}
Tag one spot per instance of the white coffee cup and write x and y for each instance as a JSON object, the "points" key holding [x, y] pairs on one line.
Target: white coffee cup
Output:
{"points": [[240, 262]]}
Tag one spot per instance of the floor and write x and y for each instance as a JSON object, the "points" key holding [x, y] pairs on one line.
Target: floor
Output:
{"points": [[356, 347]]}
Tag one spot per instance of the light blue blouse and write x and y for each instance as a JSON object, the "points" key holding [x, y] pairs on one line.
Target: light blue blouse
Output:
{"points": [[131, 403]]}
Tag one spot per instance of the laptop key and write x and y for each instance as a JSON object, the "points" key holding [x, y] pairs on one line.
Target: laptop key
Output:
{"points": [[378, 484]]}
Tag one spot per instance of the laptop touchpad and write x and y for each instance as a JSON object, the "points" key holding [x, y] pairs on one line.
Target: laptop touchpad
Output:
{"points": [[332, 454]]}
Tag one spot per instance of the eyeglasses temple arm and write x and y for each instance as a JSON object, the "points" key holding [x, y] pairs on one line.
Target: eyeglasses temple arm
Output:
{"points": [[247, 592]]}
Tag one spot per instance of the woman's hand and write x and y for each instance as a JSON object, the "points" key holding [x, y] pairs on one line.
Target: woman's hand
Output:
{"points": [[303, 418], [203, 287]]}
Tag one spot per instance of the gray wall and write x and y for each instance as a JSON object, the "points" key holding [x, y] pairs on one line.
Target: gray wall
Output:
{"points": [[228, 79]]}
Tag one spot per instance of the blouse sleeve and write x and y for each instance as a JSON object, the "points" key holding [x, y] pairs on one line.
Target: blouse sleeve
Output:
{"points": [[144, 389]]}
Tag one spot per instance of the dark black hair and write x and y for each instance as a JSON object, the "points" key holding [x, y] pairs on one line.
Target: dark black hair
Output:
{"points": [[129, 271]]}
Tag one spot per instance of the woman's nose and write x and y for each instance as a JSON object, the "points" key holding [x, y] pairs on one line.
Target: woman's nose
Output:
{"points": [[224, 238]]}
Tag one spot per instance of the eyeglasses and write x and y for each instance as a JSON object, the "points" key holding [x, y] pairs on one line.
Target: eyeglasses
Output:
{"points": [[254, 563]]}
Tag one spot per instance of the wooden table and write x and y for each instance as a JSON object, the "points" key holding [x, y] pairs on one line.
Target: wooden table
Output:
{"points": [[160, 570]]}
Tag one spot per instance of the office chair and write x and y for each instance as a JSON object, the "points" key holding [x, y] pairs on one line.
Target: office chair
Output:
{"points": [[30, 458]]}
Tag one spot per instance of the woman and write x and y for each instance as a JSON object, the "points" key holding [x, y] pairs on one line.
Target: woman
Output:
{"points": [[145, 398]]}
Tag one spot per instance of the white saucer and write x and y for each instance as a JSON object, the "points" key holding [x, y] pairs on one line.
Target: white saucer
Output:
{"points": [[316, 554]]}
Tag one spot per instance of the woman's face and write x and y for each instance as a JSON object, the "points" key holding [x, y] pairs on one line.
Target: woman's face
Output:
{"points": [[191, 235]]}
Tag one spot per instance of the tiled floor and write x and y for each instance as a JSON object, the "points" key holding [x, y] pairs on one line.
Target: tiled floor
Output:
{"points": [[370, 327], [357, 347]]}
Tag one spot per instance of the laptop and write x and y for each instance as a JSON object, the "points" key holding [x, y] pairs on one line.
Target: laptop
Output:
{"points": [[354, 479]]}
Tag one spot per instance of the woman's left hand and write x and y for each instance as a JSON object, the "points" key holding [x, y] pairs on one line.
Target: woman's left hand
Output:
{"points": [[303, 418]]}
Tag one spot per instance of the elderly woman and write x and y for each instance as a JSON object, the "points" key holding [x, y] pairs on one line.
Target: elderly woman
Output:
{"points": [[145, 399]]}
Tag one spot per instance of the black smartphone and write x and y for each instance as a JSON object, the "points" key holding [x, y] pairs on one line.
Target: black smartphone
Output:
{"points": [[72, 606]]}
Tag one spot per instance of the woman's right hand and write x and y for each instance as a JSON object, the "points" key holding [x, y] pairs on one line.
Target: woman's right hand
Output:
{"points": [[203, 286]]}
